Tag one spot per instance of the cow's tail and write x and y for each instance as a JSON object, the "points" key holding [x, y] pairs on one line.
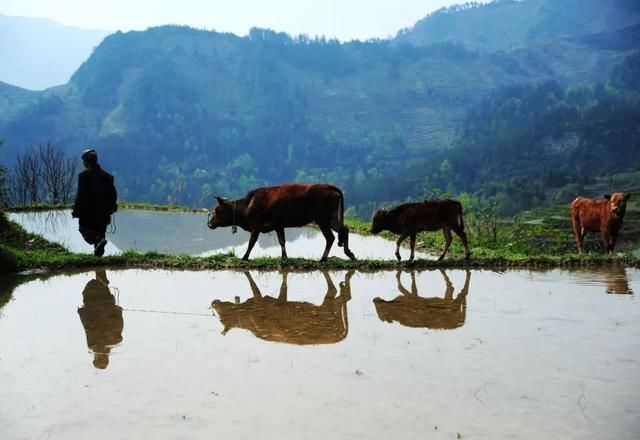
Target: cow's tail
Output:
{"points": [[343, 231], [460, 217]]}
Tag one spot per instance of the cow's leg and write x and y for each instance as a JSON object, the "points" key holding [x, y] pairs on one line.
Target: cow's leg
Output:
{"points": [[283, 287], [343, 237], [606, 241], [280, 233], [398, 243], [328, 235], [614, 238], [447, 242], [252, 243], [578, 232], [412, 238], [463, 236]]}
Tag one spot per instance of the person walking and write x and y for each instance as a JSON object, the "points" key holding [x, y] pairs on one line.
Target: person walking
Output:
{"points": [[95, 202]]}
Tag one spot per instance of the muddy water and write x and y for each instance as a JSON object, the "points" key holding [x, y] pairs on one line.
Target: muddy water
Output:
{"points": [[187, 233], [157, 354]]}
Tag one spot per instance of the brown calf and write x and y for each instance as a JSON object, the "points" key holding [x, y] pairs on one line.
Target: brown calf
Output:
{"points": [[604, 216], [431, 215], [286, 206]]}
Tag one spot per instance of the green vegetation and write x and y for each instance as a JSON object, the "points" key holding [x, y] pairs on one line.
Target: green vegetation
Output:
{"points": [[21, 251]]}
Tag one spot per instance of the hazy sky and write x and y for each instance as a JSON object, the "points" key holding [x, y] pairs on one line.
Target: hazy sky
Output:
{"points": [[344, 19]]}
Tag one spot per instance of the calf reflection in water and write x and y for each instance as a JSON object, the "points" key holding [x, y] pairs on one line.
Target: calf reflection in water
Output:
{"points": [[292, 322], [101, 318], [412, 310]]}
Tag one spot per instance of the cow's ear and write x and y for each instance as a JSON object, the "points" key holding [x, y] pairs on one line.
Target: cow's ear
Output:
{"points": [[607, 196], [627, 196], [221, 200]]}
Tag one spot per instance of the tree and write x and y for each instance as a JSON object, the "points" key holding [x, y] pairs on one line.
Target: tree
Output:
{"points": [[44, 175]]}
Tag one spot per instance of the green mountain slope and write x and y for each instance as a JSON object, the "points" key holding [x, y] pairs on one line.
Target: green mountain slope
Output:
{"points": [[514, 24], [181, 114]]}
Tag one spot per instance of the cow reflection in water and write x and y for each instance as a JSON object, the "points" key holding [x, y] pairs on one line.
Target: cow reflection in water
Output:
{"points": [[412, 310], [101, 318], [616, 280], [293, 322]]}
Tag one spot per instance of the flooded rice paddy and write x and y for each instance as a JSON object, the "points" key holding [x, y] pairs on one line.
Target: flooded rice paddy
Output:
{"points": [[335, 355], [187, 233]]}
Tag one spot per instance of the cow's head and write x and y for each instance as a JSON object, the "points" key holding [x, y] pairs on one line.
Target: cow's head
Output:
{"points": [[222, 215], [379, 221], [618, 203]]}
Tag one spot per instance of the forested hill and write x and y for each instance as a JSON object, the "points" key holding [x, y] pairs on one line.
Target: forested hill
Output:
{"points": [[512, 24], [180, 114]]}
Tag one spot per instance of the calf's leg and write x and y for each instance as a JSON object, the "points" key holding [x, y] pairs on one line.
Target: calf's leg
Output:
{"points": [[463, 236], [447, 242], [398, 243], [412, 238]]}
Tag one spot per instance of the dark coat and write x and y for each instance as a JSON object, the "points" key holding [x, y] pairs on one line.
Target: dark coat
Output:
{"points": [[96, 196]]}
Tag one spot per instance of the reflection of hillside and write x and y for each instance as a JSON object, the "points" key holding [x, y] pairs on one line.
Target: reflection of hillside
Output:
{"points": [[412, 310], [182, 233], [292, 322]]}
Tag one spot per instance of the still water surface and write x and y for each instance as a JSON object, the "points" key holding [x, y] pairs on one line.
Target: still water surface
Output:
{"points": [[335, 355], [187, 233]]}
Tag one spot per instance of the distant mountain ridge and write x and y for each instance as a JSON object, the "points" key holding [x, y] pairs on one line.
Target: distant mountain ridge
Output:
{"points": [[38, 53], [180, 114], [514, 24]]}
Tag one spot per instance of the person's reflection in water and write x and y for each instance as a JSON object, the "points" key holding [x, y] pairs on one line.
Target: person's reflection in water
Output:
{"points": [[412, 310], [292, 322], [101, 318]]}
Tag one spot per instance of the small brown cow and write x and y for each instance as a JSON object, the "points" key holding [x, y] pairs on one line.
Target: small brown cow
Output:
{"points": [[604, 216], [431, 215], [286, 206]]}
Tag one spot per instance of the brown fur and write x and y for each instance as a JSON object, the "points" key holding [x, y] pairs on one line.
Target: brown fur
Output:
{"points": [[292, 322], [602, 215], [285, 206], [412, 310], [409, 219]]}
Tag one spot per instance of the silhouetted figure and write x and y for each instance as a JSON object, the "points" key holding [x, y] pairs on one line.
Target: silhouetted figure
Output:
{"points": [[101, 318], [95, 202], [293, 322], [412, 310]]}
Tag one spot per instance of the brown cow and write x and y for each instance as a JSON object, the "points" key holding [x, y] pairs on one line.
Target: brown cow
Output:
{"points": [[292, 322], [431, 215], [412, 310], [604, 216], [286, 206]]}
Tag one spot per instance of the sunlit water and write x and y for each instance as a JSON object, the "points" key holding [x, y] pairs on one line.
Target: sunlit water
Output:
{"points": [[265, 355], [187, 233]]}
